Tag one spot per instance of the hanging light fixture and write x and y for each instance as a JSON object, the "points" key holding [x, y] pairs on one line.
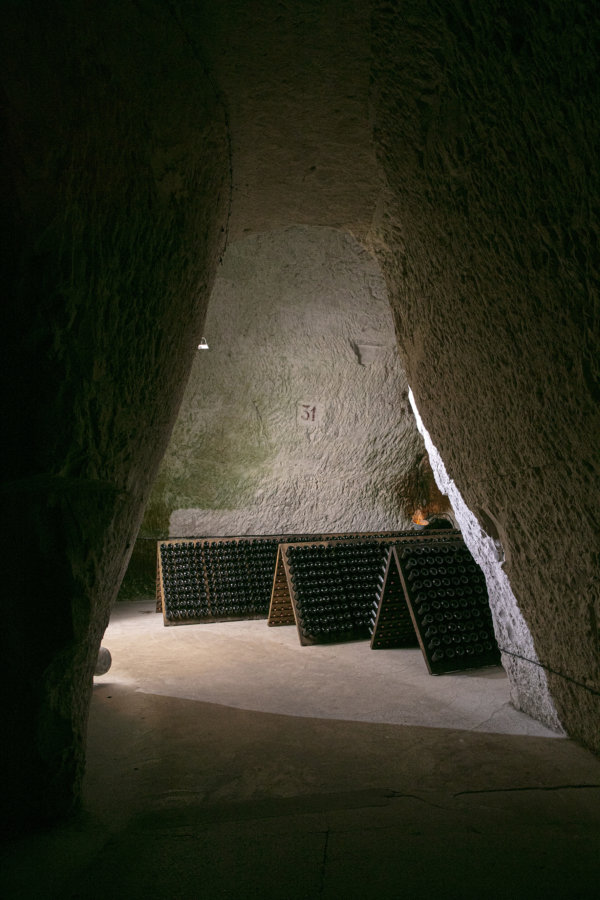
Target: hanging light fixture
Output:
{"points": [[203, 345]]}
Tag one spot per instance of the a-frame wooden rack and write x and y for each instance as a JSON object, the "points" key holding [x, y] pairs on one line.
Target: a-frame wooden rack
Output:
{"points": [[436, 595], [200, 580], [330, 588], [421, 590]]}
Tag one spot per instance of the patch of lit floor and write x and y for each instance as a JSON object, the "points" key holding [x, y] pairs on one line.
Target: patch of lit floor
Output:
{"points": [[247, 665]]}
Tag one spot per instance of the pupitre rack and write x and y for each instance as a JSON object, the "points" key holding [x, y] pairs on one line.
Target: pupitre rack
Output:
{"points": [[331, 588], [398, 589], [435, 594], [209, 580], [215, 579]]}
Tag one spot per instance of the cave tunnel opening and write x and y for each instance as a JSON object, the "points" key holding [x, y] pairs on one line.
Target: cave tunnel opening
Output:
{"points": [[299, 319]]}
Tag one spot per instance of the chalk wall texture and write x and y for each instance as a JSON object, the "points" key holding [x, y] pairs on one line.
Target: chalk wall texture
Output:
{"points": [[489, 238], [528, 681], [296, 419], [115, 188]]}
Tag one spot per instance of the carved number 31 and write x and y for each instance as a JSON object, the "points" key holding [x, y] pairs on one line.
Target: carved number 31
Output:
{"points": [[308, 413]]}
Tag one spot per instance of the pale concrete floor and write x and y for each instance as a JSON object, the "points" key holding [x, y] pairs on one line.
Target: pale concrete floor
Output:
{"points": [[249, 665], [228, 761]]}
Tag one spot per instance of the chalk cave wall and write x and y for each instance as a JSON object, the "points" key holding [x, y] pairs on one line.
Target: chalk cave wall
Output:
{"points": [[116, 174], [486, 122], [115, 187], [297, 418]]}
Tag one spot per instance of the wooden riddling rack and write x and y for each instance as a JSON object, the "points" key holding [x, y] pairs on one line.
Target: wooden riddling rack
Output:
{"points": [[209, 580], [392, 622], [330, 588], [435, 594], [215, 579]]}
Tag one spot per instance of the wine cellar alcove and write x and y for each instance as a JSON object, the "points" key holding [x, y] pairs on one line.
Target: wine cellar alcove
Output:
{"points": [[300, 270]]}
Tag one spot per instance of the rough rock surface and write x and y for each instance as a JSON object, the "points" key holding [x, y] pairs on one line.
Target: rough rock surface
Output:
{"points": [[528, 682], [296, 80], [116, 177], [115, 182], [298, 321], [486, 120]]}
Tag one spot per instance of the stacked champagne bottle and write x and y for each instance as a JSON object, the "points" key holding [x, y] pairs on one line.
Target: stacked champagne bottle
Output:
{"points": [[219, 579], [449, 600], [184, 589], [391, 623], [334, 587]]}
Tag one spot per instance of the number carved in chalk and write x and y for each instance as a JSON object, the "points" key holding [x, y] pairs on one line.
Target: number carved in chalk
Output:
{"points": [[308, 415]]}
